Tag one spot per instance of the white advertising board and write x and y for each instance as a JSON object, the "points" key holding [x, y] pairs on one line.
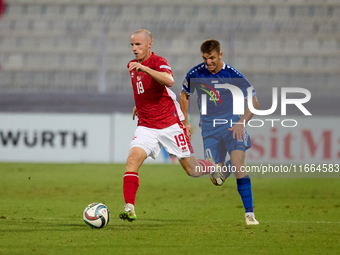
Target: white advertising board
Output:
{"points": [[105, 138], [54, 137]]}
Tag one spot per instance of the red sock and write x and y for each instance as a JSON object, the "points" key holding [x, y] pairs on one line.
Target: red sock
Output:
{"points": [[130, 187], [205, 165]]}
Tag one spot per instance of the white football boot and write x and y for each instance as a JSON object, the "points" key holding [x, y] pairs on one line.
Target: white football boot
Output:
{"points": [[250, 219], [216, 176]]}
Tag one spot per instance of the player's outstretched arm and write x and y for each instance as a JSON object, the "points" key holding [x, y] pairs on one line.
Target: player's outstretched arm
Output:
{"points": [[184, 104], [238, 128], [163, 78]]}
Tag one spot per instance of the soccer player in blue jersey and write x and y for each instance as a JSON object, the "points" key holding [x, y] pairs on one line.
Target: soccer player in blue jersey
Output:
{"points": [[223, 132]]}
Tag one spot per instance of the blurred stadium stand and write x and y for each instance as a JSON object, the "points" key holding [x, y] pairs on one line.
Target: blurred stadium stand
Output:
{"points": [[71, 56]]}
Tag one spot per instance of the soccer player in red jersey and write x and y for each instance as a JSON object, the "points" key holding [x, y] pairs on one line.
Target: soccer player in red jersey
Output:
{"points": [[159, 120]]}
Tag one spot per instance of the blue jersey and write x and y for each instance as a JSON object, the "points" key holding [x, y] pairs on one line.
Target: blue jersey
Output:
{"points": [[219, 101]]}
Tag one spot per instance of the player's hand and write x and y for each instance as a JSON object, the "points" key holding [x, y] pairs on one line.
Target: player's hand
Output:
{"points": [[188, 129], [137, 66], [238, 131], [134, 113]]}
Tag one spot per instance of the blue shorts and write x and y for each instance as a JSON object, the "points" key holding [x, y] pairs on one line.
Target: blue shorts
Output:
{"points": [[218, 142]]}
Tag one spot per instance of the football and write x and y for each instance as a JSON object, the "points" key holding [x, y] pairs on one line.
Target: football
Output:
{"points": [[96, 215]]}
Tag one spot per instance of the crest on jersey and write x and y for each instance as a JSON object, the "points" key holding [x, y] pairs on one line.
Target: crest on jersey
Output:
{"points": [[203, 86], [139, 78]]}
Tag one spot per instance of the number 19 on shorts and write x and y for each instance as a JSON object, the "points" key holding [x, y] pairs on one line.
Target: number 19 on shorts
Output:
{"points": [[180, 140]]}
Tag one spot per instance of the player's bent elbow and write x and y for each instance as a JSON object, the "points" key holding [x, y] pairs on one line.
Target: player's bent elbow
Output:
{"points": [[170, 83]]}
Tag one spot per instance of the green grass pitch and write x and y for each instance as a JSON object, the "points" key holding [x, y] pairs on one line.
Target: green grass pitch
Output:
{"points": [[42, 204]]}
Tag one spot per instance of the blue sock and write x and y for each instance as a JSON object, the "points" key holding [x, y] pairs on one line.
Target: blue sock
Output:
{"points": [[245, 191]]}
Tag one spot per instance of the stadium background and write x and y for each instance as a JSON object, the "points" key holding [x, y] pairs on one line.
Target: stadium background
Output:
{"points": [[62, 61]]}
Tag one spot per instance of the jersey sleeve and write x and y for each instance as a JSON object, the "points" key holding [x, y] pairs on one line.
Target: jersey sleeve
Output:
{"points": [[163, 66], [244, 84], [186, 85]]}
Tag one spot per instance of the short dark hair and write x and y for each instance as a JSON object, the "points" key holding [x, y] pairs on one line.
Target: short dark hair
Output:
{"points": [[210, 45]]}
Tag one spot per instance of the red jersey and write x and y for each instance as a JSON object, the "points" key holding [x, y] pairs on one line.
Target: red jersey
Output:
{"points": [[156, 104], [2, 7]]}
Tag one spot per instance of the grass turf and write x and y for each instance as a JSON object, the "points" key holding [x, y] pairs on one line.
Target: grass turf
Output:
{"points": [[42, 204]]}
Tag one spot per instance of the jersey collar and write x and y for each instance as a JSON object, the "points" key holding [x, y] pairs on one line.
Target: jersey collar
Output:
{"points": [[223, 67]]}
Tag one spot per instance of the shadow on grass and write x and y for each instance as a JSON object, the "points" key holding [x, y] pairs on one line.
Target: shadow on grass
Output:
{"points": [[35, 225]]}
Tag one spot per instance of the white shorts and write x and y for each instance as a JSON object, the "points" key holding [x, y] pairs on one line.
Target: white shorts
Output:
{"points": [[174, 139]]}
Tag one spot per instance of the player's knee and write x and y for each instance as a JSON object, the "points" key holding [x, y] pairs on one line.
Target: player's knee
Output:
{"points": [[238, 167], [239, 170], [132, 164], [135, 159]]}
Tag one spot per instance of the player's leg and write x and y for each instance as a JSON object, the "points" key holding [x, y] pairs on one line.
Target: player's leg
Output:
{"points": [[176, 142], [237, 160], [228, 169], [215, 152], [236, 150], [243, 185], [135, 159], [131, 182], [196, 167], [143, 145]]}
